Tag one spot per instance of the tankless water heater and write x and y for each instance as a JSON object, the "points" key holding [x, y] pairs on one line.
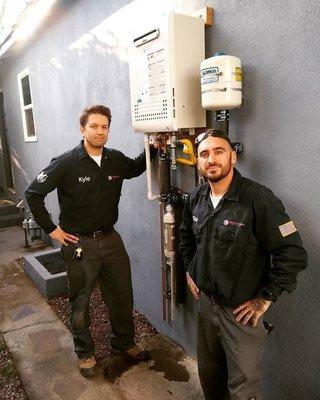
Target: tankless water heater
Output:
{"points": [[164, 75]]}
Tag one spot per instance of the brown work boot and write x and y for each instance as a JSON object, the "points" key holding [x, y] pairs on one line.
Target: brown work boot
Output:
{"points": [[135, 352], [87, 366]]}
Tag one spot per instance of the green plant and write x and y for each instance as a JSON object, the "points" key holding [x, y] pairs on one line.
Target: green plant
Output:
{"points": [[2, 346], [7, 370]]}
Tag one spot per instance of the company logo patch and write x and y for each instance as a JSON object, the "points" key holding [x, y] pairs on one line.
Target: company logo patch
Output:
{"points": [[195, 218], [287, 229], [84, 179], [42, 177], [113, 177], [233, 223]]}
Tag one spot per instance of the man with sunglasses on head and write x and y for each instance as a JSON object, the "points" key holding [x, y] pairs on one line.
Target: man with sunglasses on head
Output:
{"points": [[231, 229], [89, 181]]}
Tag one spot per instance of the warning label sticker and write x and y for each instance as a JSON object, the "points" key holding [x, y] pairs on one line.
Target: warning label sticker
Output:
{"points": [[210, 75], [209, 79], [238, 74]]}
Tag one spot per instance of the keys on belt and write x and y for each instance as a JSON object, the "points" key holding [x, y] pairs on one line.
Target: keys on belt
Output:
{"points": [[97, 234], [78, 250]]}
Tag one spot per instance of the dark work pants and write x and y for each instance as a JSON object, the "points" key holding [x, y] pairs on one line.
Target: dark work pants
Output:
{"points": [[229, 353], [104, 260]]}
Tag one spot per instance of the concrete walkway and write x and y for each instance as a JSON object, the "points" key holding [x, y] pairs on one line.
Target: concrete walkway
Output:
{"points": [[42, 348]]}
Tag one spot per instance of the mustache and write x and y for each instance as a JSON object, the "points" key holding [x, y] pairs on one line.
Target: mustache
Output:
{"points": [[213, 165]]}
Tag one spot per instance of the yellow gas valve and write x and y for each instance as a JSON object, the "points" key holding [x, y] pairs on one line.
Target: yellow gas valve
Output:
{"points": [[187, 149]]}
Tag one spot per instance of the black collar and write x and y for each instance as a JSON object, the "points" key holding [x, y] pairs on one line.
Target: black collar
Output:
{"points": [[82, 153], [234, 189]]}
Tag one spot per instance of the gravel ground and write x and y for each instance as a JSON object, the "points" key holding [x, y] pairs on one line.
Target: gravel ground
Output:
{"points": [[100, 323], [10, 385]]}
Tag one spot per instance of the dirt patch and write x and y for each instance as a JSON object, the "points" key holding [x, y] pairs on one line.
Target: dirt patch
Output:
{"points": [[10, 385], [169, 362]]}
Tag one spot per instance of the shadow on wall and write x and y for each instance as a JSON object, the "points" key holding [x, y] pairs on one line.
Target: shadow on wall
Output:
{"points": [[108, 37], [83, 46], [16, 163], [2, 176], [103, 40]]}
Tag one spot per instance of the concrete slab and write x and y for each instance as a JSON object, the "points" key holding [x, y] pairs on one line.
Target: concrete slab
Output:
{"points": [[44, 357], [12, 244], [21, 303]]}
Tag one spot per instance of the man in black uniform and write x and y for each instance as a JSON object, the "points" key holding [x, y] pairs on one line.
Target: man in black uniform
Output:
{"points": [[89, 181], [231, 227]]}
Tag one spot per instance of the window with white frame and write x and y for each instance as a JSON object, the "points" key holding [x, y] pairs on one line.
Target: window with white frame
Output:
{"points": [[26, 106]]}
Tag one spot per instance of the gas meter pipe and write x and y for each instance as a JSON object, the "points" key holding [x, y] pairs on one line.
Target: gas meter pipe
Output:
{"points": [[164, 171], [169, 251], [221, 121], [164, 188], [171, 205]]}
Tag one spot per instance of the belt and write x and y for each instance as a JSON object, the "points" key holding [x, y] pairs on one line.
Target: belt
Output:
{"points": [[96, 234], [211, 297]]}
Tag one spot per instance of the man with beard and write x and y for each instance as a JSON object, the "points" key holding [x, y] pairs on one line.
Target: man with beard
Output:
{"points": [[231, 228], [89, 180]]}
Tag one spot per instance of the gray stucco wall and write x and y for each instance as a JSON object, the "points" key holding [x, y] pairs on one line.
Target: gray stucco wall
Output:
{"points": [[2, 174], [278, 43]]}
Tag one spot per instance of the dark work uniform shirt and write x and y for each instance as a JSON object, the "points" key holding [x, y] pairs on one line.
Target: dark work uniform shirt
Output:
{"points": [[246, 245], [88, 194]]}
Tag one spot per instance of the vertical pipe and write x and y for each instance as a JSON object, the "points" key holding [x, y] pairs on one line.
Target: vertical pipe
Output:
{"points": [[164, 187], [221, 121], [173, 160], [172, 260], [151, 196], [164, 172]]}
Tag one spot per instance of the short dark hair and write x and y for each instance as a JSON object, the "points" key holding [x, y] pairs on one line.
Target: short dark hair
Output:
{"points": [[214, 133], [94, 109]]}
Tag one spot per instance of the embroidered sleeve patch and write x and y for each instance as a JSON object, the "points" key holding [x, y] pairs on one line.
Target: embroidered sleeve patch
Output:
{"points": [[42, 177], [287, 229]]}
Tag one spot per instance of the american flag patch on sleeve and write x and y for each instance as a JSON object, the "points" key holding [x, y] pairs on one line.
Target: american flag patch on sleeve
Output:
{"points": [[287, 229]]}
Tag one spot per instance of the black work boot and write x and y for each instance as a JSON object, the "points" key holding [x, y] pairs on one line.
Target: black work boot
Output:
{"points": [[135, 352]]}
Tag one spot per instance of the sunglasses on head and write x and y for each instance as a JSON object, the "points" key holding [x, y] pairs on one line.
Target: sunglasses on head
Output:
{"points": [[205, 135]]}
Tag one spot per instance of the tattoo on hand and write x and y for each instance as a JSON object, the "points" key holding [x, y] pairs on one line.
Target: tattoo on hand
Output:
{"points": [[257, 304]]}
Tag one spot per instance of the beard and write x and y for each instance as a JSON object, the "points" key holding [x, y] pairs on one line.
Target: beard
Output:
{"points": [[218, 175]]}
